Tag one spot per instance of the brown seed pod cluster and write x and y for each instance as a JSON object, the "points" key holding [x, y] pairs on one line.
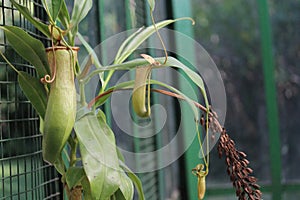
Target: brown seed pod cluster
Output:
{"points": [[238, 170]]}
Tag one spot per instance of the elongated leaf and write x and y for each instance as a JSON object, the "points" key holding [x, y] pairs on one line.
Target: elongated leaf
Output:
{"points": [[64, 16], [123, 45], [59, 165], [142, 36], [93, 55], [107, 130], [29, 48], [80, 10], [126, 186], [151, 4], [52, 7], [136, 181], [90, 50], [34, 91], [26, 13], [192, 75], [74, 176], [99, 156]]}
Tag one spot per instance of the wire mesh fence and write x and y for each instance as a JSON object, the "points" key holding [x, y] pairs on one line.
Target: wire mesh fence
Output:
{"points": [[23, 174]]}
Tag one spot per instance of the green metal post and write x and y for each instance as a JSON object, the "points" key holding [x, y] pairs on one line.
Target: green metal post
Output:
{"points": [[272, 109], [183, 9], [101, 6]]}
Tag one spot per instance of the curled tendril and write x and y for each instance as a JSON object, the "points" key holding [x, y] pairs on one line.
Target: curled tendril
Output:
{"points": [[47, 78]]}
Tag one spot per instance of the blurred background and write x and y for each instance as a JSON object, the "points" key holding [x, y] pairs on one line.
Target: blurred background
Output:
{"points": [[256, 47]]}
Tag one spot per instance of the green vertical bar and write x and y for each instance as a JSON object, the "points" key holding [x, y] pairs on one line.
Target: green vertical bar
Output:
{"points": [[183, 9], [101, 19], [101, 7], [128, 15], [270, 88]]}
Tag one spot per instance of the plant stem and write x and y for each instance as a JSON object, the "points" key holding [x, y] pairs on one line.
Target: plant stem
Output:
{"points": [[105, 83], [82, 94], [73, 157]]}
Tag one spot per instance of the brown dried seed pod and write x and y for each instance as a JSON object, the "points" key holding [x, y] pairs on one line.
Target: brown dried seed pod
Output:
{"points": [[251, 179], [251, 197], [238, 166], [258, 193], [239, 184], [233, 168], [246, 161], [248, 190], [228, 161], [202, 121], [255, 186], [242, 154], [239, 175], [249, 170], [244, 172]]}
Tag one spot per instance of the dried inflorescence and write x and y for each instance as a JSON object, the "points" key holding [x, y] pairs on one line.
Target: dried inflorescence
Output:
{"points": [[238, 170]]}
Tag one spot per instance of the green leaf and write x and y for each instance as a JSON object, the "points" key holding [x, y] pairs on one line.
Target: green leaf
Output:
{"points": [[106, 129], [118, 195], [34, 91], [64, 16], [126, 186], [141, 37], [26, 13], [80, 10], [192, 75], [59, 165], [136, 181], [74, 176], [151, 4], [52, 7], [123, 45], [99, 157], [86, 189], [93, 55], [29, 48], [90, 50]]}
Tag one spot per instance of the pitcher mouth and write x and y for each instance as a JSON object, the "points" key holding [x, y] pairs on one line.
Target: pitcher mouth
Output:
{"points": [[61, 48]]}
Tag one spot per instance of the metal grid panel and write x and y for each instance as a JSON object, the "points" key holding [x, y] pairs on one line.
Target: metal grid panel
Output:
{"points": [[23, 174]]}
